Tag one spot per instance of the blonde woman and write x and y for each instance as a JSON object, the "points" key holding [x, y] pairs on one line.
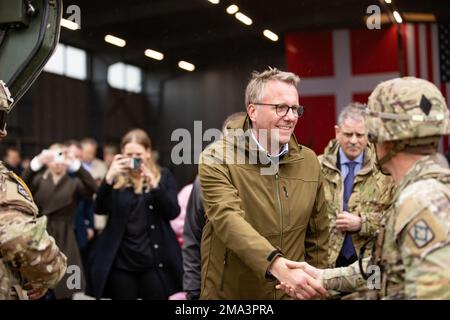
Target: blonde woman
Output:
{"points": [[137, 254]]}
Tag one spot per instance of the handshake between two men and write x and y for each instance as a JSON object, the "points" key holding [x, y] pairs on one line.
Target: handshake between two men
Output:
{"points": [[298, 279]]}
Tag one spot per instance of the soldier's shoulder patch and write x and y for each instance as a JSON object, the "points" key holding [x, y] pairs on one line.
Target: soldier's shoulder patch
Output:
{"points": [[22, 188], [425, 233], [421, 233], [23, 192]]}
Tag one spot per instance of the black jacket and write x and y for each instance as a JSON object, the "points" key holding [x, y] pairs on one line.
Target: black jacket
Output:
{"points": [[161, 205], [192, 235]]}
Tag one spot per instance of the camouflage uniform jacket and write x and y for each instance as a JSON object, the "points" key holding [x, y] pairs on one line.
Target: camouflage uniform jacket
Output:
{"points": [[413, 245], [27, 252], [372, 194]]}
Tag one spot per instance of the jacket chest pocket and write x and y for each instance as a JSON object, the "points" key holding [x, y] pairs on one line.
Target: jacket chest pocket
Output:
{"points": [[299, 197]]}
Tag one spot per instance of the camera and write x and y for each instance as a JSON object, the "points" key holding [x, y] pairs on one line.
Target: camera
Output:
{"points": [[58, 157], [135, 163]]}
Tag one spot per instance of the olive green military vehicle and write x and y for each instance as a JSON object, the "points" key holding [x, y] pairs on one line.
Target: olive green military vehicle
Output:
{"points": [[29, 33]]}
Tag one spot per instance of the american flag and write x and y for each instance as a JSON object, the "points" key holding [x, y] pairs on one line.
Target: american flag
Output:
{"points": [[341, 66]]}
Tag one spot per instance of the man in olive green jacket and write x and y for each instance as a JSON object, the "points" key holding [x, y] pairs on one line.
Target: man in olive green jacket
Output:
{"points": [[264, 208], [372, 190]]}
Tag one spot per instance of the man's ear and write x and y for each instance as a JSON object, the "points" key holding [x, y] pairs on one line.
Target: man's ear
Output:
{"points": [[251, 111], [337, 130], [384, 146], [388, 145]]}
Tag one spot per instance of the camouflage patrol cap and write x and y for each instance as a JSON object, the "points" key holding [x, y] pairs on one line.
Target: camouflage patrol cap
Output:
{"points": [[406, 108]]}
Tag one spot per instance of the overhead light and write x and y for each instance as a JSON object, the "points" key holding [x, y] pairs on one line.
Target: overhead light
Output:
{"points": [[69, 24], [269, 34], [186, 65], [232, 9], [115, 41], [388, 1], [214, 1], [243, 18], [397, 17], [154, 54]]}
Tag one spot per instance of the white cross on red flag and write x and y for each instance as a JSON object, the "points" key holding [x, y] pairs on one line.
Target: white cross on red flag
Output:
{"points": [[340, 66]]}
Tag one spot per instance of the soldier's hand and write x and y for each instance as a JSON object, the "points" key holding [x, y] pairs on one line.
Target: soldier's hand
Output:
{"points": [[298, 283], [309, 269], [348, 222], [316, 281], [304, 287]]}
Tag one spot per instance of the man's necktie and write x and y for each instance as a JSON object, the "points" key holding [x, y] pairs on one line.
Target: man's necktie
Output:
{"points": [[348, 249]]}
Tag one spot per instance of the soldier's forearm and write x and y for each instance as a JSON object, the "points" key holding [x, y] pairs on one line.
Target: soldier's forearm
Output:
{"points": [[28, 247], [346, 279], [46, 266]]}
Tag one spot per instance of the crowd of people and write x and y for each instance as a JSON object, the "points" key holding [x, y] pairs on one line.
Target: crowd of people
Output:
{"points": [[119, 259], [265, 218]]}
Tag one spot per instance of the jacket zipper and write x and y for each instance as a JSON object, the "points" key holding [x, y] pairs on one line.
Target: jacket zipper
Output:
{"points": [[277, 184]]}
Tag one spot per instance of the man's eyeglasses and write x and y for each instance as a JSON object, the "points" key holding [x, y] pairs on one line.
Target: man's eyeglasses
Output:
{"points": [[282, 109]]}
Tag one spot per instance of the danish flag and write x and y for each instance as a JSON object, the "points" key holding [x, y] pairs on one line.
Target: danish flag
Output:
{"points": [[340, 66]]}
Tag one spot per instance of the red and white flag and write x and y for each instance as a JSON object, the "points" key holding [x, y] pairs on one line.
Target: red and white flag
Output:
{"points": [[340, 66], [427, 56]]}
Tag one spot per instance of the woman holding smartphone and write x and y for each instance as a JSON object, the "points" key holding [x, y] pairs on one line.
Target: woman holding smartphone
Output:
{"points": [[137, 254]]}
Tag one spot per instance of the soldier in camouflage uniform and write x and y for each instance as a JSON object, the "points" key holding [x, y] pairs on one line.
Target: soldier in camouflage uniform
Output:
{"points": [[30, 261], [406, 117], [372, 190]]}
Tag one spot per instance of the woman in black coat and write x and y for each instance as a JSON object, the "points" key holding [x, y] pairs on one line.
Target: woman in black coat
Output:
{"points": [[137, 254]]}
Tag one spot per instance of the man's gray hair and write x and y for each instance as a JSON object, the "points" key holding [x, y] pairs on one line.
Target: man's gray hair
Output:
{"points": [[255, 88], [354, 110], [89, 141]]}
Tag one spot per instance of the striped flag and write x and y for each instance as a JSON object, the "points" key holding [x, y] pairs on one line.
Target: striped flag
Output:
{"points": [[427, 56]]}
